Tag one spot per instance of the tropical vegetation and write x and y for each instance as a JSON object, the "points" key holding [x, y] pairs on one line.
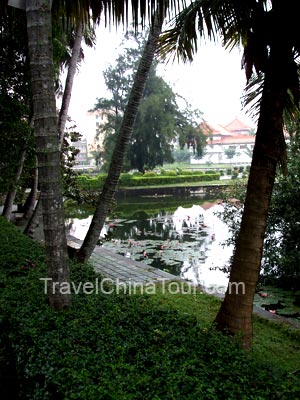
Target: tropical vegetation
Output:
{"points": [[273, 53], [97, 350]]}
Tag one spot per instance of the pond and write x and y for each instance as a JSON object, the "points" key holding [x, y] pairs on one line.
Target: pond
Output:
{"points": [[182, 237]]}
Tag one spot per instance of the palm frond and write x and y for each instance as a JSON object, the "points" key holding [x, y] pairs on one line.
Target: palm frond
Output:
{"points": [[114, 12], [206, 19], [251, 99]]}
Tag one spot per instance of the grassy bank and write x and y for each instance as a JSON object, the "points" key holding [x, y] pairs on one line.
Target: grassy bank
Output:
{"points": [[117, 346]]}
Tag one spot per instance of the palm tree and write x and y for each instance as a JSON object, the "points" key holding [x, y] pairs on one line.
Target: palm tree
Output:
{"points": [[72, 67], [11, 194], [39, 28], [38, 15], [106, 196], [273, 52]]}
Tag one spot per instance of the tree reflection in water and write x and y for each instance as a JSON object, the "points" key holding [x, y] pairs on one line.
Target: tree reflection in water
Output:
{"points": [[186, 242]]}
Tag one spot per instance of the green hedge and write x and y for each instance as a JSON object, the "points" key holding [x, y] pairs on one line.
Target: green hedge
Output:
{"points": [[169, 180], [149, 179], [91, 183]]}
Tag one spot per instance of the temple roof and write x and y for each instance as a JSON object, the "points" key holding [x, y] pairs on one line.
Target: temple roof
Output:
{"points": [[237, 126]]}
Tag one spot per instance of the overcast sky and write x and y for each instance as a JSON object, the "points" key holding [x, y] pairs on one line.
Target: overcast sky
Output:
{"points": [[213, 83]]}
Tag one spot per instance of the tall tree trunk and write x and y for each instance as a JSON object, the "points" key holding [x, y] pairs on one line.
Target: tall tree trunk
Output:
{"points": [[34, 220], [63, 114], [235, 314], [39, 32], [10, 197], [115, 168], [30, 202]]}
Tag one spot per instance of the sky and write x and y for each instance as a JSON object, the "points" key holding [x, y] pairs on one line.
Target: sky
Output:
{"points": [[212, 83]]}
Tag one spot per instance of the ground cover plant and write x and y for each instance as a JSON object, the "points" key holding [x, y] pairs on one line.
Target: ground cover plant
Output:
{"points": [[122, 346]]}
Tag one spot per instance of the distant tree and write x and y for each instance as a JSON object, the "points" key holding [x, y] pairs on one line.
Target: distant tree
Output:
{"points": [[230, 152], [155, 129], [159, 124], [181, 155], [248, 151], [189, 133]]}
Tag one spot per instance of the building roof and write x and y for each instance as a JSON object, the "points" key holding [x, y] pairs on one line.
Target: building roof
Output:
{"points": [[237, 126], [210, 129], [234, 133], [236, 139]]}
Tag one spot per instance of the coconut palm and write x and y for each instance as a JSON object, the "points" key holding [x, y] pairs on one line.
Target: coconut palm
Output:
{"points": [[72, 67], [270, 35], [39, 28], [106, 196], [39, 15]]}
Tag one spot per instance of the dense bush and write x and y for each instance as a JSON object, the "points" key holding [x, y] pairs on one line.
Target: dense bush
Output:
{"points": [[114, 346]]}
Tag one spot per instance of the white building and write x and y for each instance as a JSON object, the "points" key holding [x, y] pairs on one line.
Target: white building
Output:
{"points": [[89, 126], [236, 136]]}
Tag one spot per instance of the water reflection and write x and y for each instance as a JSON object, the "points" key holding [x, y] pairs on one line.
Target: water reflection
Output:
{"points": [[186, 242]]}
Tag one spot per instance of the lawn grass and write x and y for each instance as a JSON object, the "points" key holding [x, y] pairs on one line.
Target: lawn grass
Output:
{"points": [[273, 344]]}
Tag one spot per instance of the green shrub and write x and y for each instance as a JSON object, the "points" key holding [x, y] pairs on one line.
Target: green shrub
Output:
{"points": [[186, 172], [125, 179], [150, 174], [234, 175], [97, 350], [168, 172], [137, 173]]}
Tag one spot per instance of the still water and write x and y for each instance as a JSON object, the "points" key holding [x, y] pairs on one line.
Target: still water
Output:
{"points": [[186, 240]]}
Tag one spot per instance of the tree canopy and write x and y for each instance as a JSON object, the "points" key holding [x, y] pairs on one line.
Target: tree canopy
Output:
{"points": [[160, 126]]}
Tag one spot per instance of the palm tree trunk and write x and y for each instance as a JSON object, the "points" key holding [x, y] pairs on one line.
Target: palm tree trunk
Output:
{"points": [[10, 197], [235, 314], [63, 114], [110, 185], [30, 202], [34, 220], [39, 29]]}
